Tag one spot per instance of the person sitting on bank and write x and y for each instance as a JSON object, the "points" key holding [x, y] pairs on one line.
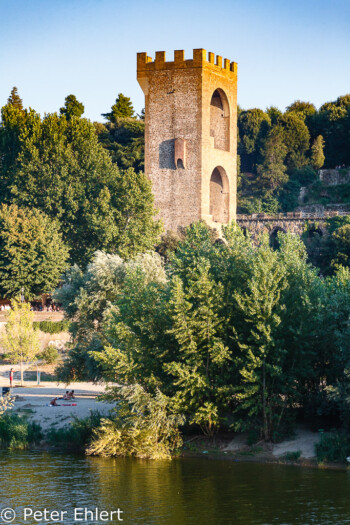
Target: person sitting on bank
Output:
{"points": [[71, 395], [53, 402], [66, 396]]}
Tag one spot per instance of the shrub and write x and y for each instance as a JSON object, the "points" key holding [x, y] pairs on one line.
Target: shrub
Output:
{"points": [[49, 355], [52, 327], [305, 175], [17, 433], [77, 435], [143, 427], [333, 446]]}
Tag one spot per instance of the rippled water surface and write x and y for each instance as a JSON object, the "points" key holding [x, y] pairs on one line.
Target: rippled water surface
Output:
{"points": [[183, 491]]}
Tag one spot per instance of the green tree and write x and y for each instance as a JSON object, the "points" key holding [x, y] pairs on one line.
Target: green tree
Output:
{"points": [[72, 107], [332, 121], [20, 340], [272, 171], [202, 366], [14, 99], [60, 167], [296, 138], [122, 108], [88, 299], [317, 156], [253, 126], [274, 113], [302, 109], [338, 313], [124, 140], [261, 352], [226, 331], [32, 253]]}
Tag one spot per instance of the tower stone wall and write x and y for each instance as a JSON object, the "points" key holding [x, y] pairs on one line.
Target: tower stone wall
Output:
{"points": [[190, 136]]}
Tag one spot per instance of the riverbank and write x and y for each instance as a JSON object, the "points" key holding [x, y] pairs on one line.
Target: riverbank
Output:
{"points": [[32, 401], [299, 451]]}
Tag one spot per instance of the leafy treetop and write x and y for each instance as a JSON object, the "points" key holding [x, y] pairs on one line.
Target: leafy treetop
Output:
{"points": [[72, 107], [122, 108]]}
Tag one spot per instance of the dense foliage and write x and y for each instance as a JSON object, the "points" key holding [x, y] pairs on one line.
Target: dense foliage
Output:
{"points": [[332, 250], [234, 335], [279, 151], [142, 427], [17, 433], [32, 253], [124, 140], [57, 165], [87, 297]]}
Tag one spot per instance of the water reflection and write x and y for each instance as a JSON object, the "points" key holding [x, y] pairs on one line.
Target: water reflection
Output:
{"points": [[183, 491]]}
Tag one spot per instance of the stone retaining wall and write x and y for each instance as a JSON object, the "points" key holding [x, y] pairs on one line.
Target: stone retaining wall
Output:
{"points": [[334, 177]]}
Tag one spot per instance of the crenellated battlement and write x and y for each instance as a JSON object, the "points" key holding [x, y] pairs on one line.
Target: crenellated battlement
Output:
{"points": [[201, 58]]}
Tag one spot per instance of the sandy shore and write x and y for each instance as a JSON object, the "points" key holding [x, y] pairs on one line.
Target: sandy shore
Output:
{"points": [[32, 400]]}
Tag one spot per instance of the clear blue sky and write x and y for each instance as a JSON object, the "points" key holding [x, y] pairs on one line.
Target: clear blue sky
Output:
{"points": [[285, 49]]}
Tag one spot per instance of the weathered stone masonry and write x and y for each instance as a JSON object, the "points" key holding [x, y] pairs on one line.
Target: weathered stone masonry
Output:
{"points": [[294, 222], [190, 136]]}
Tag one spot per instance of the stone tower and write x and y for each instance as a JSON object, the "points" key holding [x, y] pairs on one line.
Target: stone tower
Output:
{"points": [[191, 136]]}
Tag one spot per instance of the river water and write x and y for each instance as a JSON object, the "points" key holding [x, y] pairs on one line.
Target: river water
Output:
{"points": [[182, 491]]}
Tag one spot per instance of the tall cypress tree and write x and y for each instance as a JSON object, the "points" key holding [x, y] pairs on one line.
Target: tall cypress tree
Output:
{"points": [[14, 99]]}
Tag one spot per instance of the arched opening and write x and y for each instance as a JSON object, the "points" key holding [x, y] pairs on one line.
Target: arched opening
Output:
{"points": [[245, 231], [274, 242], [220, 120], [314, 232], [219, 196]]}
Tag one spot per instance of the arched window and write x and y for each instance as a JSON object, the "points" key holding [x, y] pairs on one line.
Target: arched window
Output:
{"points": [[274, 242], [219, 196], [220, 120]]}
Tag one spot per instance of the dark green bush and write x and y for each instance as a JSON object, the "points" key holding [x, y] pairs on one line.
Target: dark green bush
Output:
{"points": [[289, 196], [49, 355], [16, 432], [75, 436], [304, 176], [333, 446]]}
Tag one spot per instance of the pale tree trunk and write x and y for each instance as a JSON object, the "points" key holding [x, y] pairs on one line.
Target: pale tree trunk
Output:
{"points": [[21, 373]]}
